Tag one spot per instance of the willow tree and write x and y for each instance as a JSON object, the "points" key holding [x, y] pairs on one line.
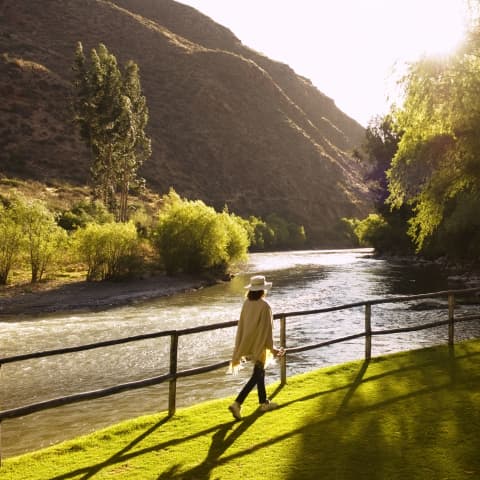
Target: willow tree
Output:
{"points": [[112, 114], [437, 164]]}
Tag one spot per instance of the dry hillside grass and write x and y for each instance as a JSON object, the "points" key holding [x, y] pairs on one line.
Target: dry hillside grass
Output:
{"points": [[228, 125]]}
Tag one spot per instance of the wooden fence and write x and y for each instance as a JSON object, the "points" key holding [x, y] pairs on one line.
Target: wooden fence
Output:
{"points": [[174, 335]]}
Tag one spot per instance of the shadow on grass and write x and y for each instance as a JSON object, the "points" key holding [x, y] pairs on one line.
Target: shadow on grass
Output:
{"points": [[351, 443], [123, 455], [353, 386], [415, 422], [92, 470], [221, 441]]}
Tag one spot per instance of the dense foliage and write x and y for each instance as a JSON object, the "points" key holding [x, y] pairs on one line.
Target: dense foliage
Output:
{"points": [[112, 114], [430, 151], [436, 169], [83, 213], [182, 236], [191, 236], [29, 234], [386, 229], [11, 235], [379, 148], [110, 250]]}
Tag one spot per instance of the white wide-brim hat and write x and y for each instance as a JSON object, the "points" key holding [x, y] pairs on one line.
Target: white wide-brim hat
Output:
{"points": [[258, 282]]}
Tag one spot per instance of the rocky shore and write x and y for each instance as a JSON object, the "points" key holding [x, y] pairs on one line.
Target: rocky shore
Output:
{"points": [[89, 296]]}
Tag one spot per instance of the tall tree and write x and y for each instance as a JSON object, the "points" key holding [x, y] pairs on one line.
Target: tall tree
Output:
{"points": [[11, 236], [380, 146], [44, 239], [438, 159], [138, 145], [112, 114]]}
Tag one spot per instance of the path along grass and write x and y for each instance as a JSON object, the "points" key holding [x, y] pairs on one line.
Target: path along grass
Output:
{"points": [[413, 415]]}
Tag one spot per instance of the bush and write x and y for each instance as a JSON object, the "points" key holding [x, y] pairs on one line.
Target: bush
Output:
{"points": [[387, 235], [237, 237], [83, 213], [260, 235], [458, 236], [29, 233], [45, 241], [11, 235], [192, 237], [285, 234], [274, 233], [110, 250]]}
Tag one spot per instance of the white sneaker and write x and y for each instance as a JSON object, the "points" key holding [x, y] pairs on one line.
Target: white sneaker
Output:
{"points": [[267, 406], [235, 408]]}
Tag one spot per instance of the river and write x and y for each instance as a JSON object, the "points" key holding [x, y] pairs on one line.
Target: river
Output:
{"points": [[302, 280]]}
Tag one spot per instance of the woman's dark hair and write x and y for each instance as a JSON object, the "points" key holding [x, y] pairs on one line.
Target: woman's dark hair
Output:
{"points": [[255, 294]]}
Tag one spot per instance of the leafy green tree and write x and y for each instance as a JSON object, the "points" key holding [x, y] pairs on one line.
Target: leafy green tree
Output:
{"points": [[385, 236], [192, 237], [82, 213], [110, 250], [11, 235], [274, 233], [237, 236], [138, 145], [112, 114], [438, 160], [260, 235], [386, 229], [380, 146], [45, 241], [285, 234], [458, 236]]}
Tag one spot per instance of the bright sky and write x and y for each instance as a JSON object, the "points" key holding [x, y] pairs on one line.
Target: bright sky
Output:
{"points": [[352, 50]]}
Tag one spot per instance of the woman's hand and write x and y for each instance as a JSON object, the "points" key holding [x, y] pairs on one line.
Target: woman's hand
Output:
{"points": [[279, 352]]}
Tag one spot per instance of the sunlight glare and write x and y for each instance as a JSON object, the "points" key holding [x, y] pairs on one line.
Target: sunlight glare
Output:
{"points": [[440, 28]]}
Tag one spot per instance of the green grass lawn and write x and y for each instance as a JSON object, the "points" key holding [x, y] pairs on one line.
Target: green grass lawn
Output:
{"points": [[413, 415]]}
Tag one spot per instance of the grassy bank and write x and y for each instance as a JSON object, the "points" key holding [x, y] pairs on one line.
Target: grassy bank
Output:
{"points": [[413, 415]]}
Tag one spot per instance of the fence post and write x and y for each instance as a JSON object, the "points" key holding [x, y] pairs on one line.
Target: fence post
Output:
{"points": [[283, 344], [451, 319], [368, 331], [172, 388]]}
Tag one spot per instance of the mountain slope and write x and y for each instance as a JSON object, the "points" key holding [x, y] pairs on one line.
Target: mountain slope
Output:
{"points": [[228, 125]]}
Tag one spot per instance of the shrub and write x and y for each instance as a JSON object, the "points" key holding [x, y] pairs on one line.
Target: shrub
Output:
{"points": [[29, 233], [45, 241], [237, 237], [458, 236], [11, 235], [372, 230], [110, 250], [84, 212], [285, 234], [192, 237]]}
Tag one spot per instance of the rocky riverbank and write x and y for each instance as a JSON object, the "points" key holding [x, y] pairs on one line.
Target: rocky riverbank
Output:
{"points": [[88, 296]]}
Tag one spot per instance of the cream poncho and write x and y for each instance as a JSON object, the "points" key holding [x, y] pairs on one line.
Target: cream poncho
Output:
{"points": [[254, 339]]}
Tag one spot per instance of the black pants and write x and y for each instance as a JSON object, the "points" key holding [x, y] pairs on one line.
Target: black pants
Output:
{"points": [[258, 379]]}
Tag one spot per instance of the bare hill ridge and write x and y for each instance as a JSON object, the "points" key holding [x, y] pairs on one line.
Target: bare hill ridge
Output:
{"points": [[228, 125]]}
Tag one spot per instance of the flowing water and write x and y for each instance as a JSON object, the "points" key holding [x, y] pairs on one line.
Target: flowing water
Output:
{"points": [[302, 280]]}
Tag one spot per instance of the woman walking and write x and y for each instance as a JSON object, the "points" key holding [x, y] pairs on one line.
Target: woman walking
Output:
{"points": [[254, 342]]}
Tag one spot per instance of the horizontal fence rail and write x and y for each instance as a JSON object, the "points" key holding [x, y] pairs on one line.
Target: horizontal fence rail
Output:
{"points": [[174, 335]]}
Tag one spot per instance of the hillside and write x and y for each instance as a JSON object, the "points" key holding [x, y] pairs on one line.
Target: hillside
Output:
{"points": [[228, 125]]}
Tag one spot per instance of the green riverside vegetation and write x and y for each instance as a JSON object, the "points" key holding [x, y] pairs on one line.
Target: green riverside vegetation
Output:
{"points": [[181, 235], [424, 161], [412, 415]]}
